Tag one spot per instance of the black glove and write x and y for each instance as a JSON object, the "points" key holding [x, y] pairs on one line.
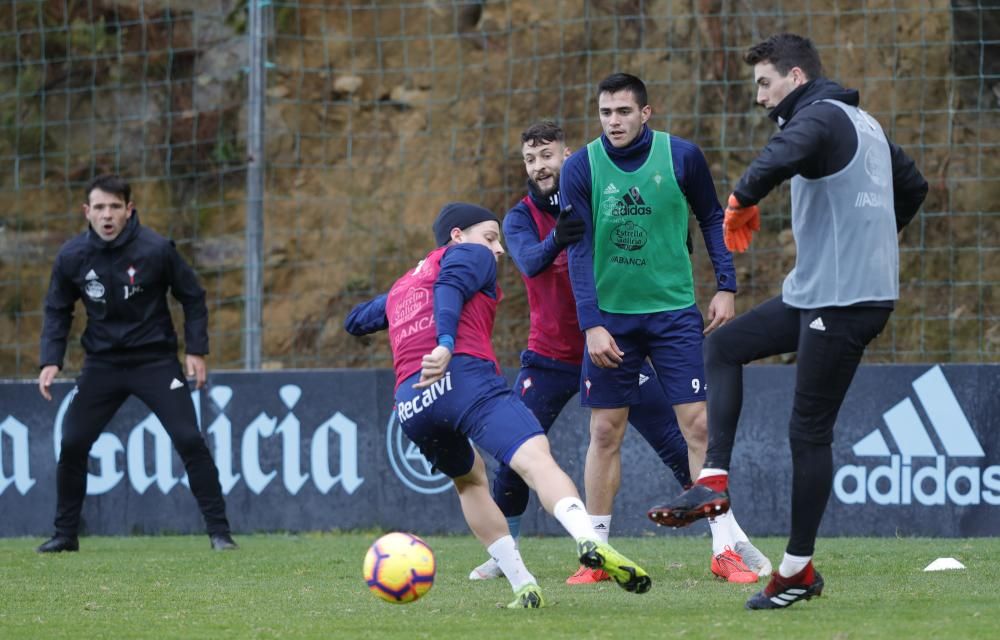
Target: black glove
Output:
{"points": [[568, 230]]}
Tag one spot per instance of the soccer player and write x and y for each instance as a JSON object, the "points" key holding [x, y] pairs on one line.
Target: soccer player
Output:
{"points": [[537, 236], [632, 279], [449, 389], [852, 191], [122, 272]]}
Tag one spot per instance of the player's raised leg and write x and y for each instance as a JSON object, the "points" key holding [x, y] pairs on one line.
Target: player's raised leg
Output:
{"points": [[681, 360]]}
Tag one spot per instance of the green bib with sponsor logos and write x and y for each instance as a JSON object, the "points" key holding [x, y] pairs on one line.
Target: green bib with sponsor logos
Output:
{"points": [[641, 261]]}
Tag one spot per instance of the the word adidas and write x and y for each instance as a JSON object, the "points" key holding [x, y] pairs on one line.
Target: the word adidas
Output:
{"points": [[631, 204], [902, 482], [610, 189]]}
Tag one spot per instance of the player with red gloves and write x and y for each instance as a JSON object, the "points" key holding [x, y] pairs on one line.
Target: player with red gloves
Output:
{"points": [[852, 191]]}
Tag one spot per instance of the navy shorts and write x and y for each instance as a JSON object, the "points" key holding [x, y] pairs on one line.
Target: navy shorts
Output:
{"points": [[545, 385], [672, 340], [471, 402]]}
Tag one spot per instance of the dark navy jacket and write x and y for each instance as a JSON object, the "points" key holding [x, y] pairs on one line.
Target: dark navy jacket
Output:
{"points": [[817, 139], [123, 285]]}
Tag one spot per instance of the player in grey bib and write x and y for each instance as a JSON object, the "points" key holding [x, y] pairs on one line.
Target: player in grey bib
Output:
{"points": [[844, 227], [853, 190]]}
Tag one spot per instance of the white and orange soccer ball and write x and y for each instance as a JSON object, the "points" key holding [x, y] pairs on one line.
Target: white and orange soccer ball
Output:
{"points": [[399, 568]]}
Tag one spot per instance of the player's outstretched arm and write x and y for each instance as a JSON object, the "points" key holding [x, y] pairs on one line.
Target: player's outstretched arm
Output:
{"points": [[367, 317]]}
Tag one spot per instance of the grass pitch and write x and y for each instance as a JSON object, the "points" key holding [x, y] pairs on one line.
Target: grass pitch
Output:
{"points": [[310, 586]]}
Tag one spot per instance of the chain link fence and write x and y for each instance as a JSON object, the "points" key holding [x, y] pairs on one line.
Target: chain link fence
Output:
{"points": [[377, 113]]}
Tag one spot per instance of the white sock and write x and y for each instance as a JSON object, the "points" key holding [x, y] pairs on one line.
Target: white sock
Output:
{"points": [[602, 526], [572, 515], [722, 535], [790, 565], [509, 558], [708, 473], [735, 530]]}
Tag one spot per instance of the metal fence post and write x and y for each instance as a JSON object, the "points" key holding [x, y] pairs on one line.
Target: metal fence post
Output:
{"points": [[253, 270]]}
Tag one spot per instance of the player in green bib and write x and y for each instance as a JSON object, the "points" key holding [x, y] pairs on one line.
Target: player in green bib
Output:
{"points": [[634, 190]]}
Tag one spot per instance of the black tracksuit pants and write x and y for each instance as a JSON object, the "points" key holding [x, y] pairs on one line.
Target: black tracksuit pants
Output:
{"points": [[101, 390], [830, 342]]}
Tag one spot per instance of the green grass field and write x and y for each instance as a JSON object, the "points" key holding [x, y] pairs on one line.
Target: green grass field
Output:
{"points": [[310, 586]]}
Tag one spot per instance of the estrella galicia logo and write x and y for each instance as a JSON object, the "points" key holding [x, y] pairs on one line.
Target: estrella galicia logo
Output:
{"points": [[918, 473], [876, 166], [94, 289], [629, 236], [411, 467]]}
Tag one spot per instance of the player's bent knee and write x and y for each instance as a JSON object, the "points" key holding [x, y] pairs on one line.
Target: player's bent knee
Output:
{"points": [[609, 442], [533, 458], [606, 434], [476, 477], [714, 348], [692, 417], [722, 347]]}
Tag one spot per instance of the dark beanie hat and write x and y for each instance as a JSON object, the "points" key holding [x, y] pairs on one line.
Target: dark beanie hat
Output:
{"points": [[459, 214]]}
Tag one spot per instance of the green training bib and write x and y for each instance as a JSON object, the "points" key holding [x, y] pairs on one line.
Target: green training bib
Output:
{"points": [[641, 261]]}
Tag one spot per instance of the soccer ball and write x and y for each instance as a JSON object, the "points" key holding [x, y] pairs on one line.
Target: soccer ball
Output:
{"points": [[399, 567]]}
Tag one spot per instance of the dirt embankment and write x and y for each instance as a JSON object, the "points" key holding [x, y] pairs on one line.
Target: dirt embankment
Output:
{"points": [[378, 116]]}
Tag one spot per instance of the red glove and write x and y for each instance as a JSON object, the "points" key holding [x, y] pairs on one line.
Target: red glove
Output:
{"points": [[739, 225]]}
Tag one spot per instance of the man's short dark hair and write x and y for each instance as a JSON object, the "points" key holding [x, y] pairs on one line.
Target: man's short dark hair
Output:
{"points": [[113, 184], [625, 82], [785, 51], [542, 132]]}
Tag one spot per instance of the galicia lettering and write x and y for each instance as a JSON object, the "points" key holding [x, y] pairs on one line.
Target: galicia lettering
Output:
{"points": [[15, 433], [143, 458]]}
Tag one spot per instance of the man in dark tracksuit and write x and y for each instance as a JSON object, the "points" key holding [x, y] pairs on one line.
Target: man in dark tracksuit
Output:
{"points": [[853, 190], [122, 272]]}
